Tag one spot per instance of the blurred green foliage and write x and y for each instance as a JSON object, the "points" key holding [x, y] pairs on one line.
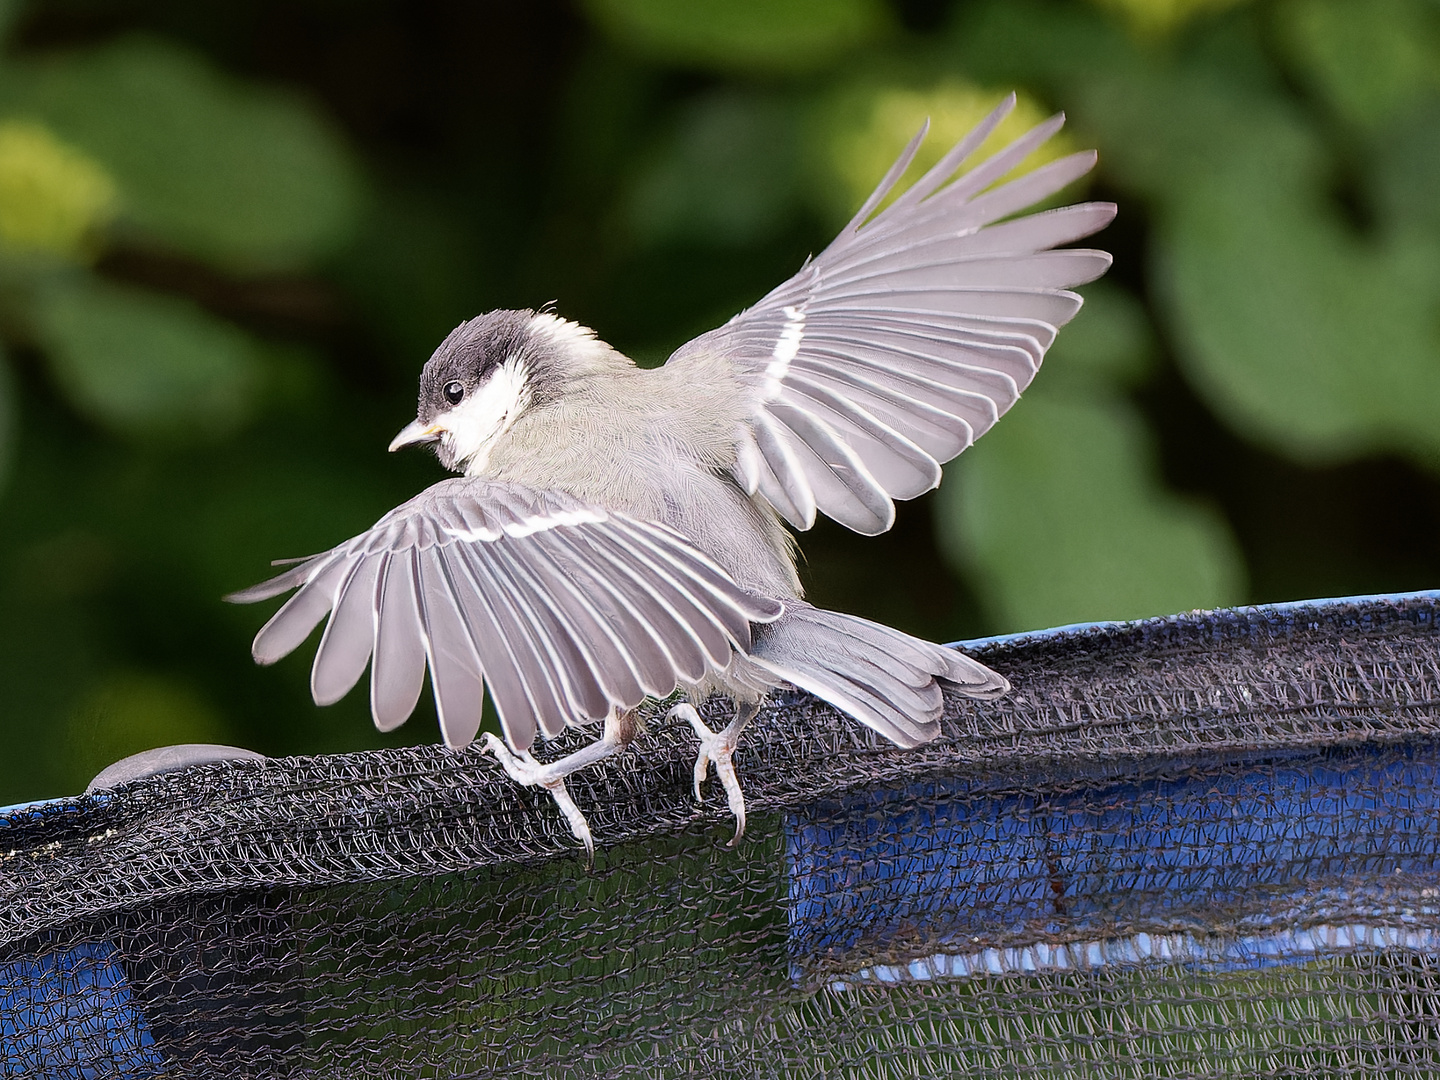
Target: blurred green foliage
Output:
{"points": [[139, 361], [870, 122], [1063, 515], [231, 233], [55, 197], [743, 35], [241, 175]]}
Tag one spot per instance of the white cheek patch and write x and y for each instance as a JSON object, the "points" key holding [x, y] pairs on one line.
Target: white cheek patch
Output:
{"points": [[473, 426]]}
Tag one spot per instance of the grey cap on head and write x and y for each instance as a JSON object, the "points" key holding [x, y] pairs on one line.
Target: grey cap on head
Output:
{"points": [[476, 348]]}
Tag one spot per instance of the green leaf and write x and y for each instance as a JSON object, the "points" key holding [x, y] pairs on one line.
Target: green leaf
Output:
{"points": [[53, 198], [1405, 175], [1155, 18], [866, 125], [1162, 133], [727, 177], [1057, 517], [142, 363], [1300, 335], [1300, 331], [244, 175], [743, 35], [1367, 60]]}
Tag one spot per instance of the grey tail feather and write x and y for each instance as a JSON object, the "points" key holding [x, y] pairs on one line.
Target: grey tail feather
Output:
{"points": [[887, 680]]}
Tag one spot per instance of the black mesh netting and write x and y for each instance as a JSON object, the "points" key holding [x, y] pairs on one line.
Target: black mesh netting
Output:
{"points": [[1198, 846]]}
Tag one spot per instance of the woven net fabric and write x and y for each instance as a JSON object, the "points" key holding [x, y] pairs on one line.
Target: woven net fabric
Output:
{"points": [[1205, 845]]}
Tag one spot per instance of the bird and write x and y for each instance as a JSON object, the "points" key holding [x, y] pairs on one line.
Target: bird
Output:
{"points": [[618, 533]]}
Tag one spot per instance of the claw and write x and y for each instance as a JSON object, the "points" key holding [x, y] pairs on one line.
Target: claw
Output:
{"points": [[717, 748], [524, 769]]}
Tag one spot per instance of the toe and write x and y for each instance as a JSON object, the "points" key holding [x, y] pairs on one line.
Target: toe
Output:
{"points": [[702, 770], [578, 825], [690, 716], [734, 797]]}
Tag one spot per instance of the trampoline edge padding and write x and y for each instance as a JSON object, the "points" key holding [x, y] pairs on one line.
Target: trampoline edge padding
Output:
{"points": [[1108, 700]]}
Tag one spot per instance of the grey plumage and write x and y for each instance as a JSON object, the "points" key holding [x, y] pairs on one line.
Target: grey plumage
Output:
{"points": [[617, 534], [883, 678]]}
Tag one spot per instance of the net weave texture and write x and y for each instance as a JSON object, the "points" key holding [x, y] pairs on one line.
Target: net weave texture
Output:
{"points": [[1206, 845]]}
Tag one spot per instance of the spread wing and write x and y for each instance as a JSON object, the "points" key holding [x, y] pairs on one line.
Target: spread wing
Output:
{"points": [[565, 610], [901, 343]]}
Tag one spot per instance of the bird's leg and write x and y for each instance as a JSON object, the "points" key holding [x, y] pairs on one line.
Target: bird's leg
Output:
{"points": [[620, 728], [719, 747]]}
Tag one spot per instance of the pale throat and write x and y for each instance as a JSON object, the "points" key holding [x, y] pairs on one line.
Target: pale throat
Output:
{"points": [[474, 426]]}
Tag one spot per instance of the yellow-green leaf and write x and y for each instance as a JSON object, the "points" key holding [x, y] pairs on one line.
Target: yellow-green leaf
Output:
{"points": [[53, 196], [867, 127], [1151, 18], [238, 173]]}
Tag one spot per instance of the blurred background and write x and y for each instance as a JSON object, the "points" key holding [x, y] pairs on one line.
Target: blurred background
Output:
{"points": [[231, 233]]}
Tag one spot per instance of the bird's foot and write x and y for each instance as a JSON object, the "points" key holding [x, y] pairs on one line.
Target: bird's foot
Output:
{"points": [[717, 748], [524, 769]]}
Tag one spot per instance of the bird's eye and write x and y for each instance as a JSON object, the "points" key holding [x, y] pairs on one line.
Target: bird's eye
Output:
{"points": [[454, 391]]}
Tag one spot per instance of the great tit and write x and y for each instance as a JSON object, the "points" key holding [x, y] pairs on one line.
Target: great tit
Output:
{"points": [[619, 533]]}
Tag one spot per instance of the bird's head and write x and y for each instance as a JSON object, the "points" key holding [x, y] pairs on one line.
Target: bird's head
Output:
{"points": [[489, 373]]}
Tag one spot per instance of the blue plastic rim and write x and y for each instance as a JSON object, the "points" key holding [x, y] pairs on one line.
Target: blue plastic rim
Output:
{"points": [[71, 1015], [941, 872], [28, 813]]}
